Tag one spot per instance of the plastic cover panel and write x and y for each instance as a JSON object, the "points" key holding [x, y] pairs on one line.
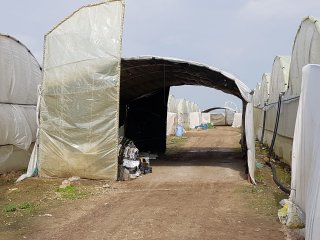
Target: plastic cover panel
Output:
{"points": [[172, 121], [306, 152], [18, 125], [257, 95], [194, 119], [237, 120], [80, 96], [172, 104], [218, 119], [279, 77], [20, 73], [265, 89], [306, 49], [205, 118], [13, 158], [246, 93]]}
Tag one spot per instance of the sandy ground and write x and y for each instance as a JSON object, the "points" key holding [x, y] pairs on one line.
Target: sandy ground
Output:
{"points": [[194, 192]]}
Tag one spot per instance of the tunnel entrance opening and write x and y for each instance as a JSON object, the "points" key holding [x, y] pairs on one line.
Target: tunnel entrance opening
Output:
{"points": [[144, 91]]}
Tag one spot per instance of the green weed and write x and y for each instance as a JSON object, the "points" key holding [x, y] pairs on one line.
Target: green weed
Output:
{"points": [[71, 192], [10, 208]]}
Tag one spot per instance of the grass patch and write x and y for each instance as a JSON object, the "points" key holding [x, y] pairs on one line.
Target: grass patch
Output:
{"points": [[265, 196], [283, 174], [25, 205], [173, 140], [12, 207], [71, 192]]}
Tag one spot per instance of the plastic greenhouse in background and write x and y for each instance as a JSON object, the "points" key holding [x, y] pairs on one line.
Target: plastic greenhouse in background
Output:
{"points": [[20, 76]]}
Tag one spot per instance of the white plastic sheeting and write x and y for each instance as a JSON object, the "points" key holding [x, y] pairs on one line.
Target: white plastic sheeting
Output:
{"points": [[247, 94], [13, 158], [172, 121], [18, 125], [279, 77], [306, 49], [305, 183], [194, 119], [80, 94], [237, 120], [172, 104], [218, 119], [205, 118], [265, 89], [257, 95], [20, 73]]}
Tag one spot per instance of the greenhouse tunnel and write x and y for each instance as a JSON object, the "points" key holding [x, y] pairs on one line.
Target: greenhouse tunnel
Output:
{"points": [[144, 89]]}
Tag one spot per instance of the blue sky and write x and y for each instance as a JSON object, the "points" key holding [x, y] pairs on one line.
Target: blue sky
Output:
{"points": [[241, 37]]}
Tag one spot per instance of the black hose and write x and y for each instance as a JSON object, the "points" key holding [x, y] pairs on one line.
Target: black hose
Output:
{"points": [[276, 180], [275, 131], [264, 125]]}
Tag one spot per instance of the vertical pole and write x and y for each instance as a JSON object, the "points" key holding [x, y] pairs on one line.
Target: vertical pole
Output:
{"points": [[243, 132]]}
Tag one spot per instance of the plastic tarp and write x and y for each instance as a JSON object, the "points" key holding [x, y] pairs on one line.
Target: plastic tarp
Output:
{"points": [[229, 117], [18, 125], [183, 119], [80, 94], [305, 183], [182, 106], [172, 121], [265, 89], [306, 49], [218, 119], [194, 119], [278, 84], [237, 120], [205, 118], [257, 95], [172, 104], [13, 158], [247, 94], [279, 77], [20, 73]]}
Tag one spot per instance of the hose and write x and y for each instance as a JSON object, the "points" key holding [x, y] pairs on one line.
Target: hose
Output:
{"points": [[276, 180], [275, 131]]}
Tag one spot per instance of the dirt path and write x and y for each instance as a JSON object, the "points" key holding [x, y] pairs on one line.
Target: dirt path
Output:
{"points": [[194, 193]]}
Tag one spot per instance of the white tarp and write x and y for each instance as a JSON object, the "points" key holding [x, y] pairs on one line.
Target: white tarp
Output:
{"points": [[172, 104], [20, 73], [18, 125], [182, 106], [257, 95], [172, 121], [279, 77], [306, 49], [194, 119], [13, 158], [80, 94], [218, 119], [246, 93], [237, 120], [305, 183], [265, 89], [205, 118]]}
